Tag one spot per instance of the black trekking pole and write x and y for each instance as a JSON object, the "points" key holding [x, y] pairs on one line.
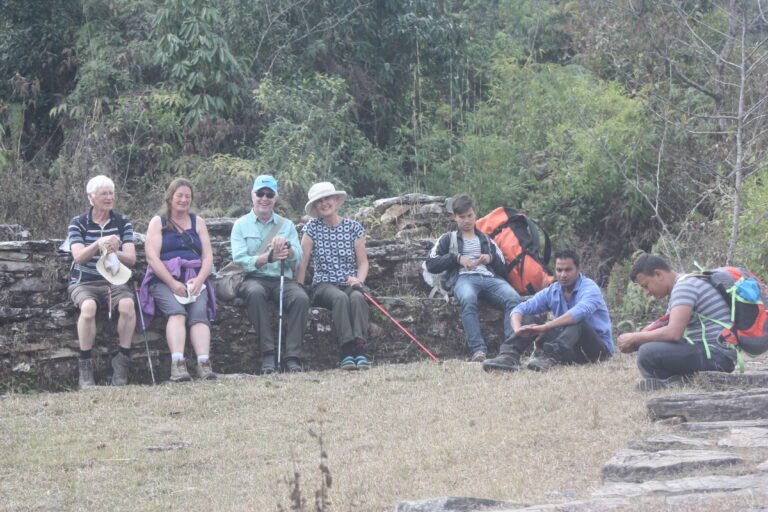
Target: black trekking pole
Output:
{"points": [[280, 313], [144, 331], [366, 293]]}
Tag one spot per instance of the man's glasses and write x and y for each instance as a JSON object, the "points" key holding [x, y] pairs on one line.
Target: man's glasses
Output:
{"points": [[268, 193]]}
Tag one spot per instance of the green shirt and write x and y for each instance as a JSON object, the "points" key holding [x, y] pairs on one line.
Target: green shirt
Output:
{"points": [[247, 234]]}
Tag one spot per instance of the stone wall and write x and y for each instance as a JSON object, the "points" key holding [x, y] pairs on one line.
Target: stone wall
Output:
{"points": [[38, 339]]}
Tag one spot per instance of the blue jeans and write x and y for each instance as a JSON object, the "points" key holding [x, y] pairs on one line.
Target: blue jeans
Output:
{"points": [[468, 289]]}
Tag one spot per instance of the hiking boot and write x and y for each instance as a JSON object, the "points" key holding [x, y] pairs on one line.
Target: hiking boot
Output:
{"points": [[85, 367], [293, 365], [179, 371], [478, 356], [362, 363], [121, 367], [541, 364], [348, 363], [653, 384], [205, 370], [268, 364], [507, 362]]}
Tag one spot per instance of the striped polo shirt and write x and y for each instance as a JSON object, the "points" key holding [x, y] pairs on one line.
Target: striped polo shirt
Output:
{"points": [[703, 298], [83, 230]]}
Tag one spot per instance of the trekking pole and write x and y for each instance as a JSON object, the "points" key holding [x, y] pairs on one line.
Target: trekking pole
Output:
{"points": [[280, 313], [144, 331], [365, 291]]}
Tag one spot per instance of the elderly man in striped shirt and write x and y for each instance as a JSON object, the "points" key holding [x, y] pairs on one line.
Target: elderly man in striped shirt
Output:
{"points": [[102, 231]]}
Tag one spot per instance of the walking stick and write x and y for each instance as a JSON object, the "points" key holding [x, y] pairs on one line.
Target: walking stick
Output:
{"points": [[144, 331], [280, 314], [365, 291]]}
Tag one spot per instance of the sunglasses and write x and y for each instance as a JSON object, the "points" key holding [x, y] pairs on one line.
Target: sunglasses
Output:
{"points": [[268, 193]]}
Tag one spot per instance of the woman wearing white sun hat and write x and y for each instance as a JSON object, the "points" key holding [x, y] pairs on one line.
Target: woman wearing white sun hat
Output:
{"points": [[340, 266]]}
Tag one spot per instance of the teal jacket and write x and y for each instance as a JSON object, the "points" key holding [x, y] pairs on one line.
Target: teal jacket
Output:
{"points": [[247, 234]]}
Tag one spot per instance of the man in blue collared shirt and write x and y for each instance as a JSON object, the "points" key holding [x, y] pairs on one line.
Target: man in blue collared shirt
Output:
{"points": [[580, 332], [261, 241]]}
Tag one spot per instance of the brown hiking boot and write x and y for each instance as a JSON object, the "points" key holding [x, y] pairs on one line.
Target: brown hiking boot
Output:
{"points": [[205, 371], [85, 367], [478, 356], [121, 367], [179, 371]]}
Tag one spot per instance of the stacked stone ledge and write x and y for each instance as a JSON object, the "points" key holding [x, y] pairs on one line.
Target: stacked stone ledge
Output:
{"points": [[38, 338]]}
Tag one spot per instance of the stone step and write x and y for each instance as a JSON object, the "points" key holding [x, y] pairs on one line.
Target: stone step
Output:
{"points": [[450, 504], [638, 466], [671, 442], [687, 485], [716, 427], [745, 438], [746, 404], [720, 380], [744, 500], [477, 505]]}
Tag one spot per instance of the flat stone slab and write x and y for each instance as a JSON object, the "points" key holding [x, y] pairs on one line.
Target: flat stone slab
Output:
{"points": [[694, 484], [720, 380], [439, 504], [726, 405], [451, 504], [671, 442], [382, 204], [638, 466], [716, 427], [746, 438], [746, 500]]}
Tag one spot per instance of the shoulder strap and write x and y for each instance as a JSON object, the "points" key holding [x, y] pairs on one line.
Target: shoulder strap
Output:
{"points": [[185, 237], [270, 235]]}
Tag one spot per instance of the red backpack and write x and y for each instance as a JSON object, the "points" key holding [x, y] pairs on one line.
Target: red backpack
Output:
{"points": [[518, 238]]}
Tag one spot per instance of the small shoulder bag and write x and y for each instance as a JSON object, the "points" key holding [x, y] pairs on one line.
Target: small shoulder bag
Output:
{"points": [[229, 278]]}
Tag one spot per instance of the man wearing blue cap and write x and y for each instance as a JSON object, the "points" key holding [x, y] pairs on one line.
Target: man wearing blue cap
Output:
{"points": [[260, 241]]}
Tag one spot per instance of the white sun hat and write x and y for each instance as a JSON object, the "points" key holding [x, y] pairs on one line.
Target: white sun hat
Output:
{"points": [[111, 269], [189, 297], [319, 191]]}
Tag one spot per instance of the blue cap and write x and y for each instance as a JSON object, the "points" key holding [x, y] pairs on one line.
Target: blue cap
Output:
{"points": [[265, 181]]}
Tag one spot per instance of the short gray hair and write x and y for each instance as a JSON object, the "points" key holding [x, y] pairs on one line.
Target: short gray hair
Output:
{"points": [[98, 182]]}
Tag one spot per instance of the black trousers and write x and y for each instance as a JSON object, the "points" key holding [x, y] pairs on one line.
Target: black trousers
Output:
{"points": [[572, 344], [664, 359]]}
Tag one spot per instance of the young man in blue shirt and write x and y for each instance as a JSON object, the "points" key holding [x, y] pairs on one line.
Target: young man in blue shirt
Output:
{"points": [[579, 333]]}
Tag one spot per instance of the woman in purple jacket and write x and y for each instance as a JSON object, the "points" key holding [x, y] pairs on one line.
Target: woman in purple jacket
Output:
{"points": [[180, 259]]}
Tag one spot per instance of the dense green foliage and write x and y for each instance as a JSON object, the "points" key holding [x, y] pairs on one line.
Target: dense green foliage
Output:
{"points": [[617, 126]]}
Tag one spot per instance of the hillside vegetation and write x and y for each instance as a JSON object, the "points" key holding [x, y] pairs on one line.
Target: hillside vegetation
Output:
{"points": [[618, 125]]}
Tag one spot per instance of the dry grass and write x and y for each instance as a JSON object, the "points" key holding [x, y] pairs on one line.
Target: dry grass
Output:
{"points": [[393, 433]]}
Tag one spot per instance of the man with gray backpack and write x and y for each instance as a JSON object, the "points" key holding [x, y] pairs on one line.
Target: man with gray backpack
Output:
{"points": [[471, 265]]}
